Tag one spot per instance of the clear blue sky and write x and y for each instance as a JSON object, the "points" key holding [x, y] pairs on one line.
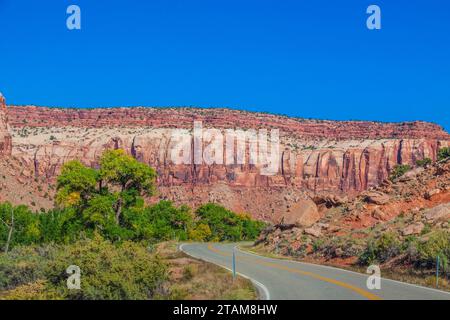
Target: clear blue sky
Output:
{"points": [[304, 58]]}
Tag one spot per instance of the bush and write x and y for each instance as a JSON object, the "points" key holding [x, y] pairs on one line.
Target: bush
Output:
{"points": [[438, 244], [22, 265], [444, 153], [424, 162], [380, 250], [399, 170], [108, 271]]}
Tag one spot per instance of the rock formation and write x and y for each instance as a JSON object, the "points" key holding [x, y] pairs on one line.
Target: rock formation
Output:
{"points": [[5, 137], [410, 209], [316, 157]]}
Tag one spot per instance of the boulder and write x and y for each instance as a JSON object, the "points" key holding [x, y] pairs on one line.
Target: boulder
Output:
{"points": [[438, 213], [303, 213], [411, 174], [431, 193], [415, 228], [378, 214], [314, 231], [376, 198]]}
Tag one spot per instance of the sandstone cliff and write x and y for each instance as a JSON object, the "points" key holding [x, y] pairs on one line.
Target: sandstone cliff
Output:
{"points": [[316, 156]]}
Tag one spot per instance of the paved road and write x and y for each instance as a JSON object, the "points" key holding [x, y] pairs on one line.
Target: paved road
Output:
{"points": [[289, 280]]}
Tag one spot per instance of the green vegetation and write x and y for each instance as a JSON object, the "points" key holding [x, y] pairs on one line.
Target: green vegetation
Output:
{"points": [[438, 245], [109, 202], [399, 170], [444, 153], [101, 223], [424, 162], [225, 225], [381, 249], [419, 252], [109, 271]]}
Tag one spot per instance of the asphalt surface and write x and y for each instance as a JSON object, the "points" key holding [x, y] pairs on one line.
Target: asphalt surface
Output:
{"points": [[278, 279]]}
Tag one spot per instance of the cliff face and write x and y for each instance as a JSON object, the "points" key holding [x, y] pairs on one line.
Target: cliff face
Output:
{"points": [[315, 156], [5, 137]]}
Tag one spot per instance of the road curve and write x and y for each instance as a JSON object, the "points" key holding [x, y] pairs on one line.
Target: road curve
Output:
{"points": [[291, 280]]}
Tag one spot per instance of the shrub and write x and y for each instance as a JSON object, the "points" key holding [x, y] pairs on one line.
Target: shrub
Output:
{"points": [[108, 271], [22, 265], [444, 153], [424, 162], [399, 170], [317, 245], [438, 244], [381, 249]]}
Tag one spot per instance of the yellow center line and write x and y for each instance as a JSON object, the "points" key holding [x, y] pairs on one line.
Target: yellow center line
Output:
{"points": [[359, 291]]}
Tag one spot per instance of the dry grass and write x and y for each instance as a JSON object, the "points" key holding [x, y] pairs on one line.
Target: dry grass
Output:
{"points": [[192, 279]]}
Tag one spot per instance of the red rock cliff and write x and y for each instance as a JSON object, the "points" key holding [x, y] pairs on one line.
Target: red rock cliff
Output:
{"points": [[315, 155]]}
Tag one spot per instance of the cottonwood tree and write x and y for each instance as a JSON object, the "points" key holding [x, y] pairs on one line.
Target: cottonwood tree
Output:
{"points": [[120, 180], [131, 177]]}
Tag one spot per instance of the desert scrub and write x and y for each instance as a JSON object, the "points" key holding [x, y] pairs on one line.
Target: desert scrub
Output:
{"points": [[23, 265], [424, 162], [380, 250], [108, 271], [437, 245], [399, 170], [444, 153]]}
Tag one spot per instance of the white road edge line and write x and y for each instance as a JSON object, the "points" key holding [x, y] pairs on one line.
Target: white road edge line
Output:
{"points": [[255, 282], [349, 271]]}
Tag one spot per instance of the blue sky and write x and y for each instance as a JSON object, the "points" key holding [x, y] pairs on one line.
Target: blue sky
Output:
{"points": [[313, 59]]}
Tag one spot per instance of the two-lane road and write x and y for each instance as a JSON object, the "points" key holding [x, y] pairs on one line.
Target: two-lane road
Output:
{"points": [[284, 279]]}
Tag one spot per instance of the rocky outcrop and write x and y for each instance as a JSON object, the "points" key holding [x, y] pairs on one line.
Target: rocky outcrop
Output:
{"points": [[346, 231], [321, 158], [304, 213], [5, 137], [415, 228], [441, 212]]}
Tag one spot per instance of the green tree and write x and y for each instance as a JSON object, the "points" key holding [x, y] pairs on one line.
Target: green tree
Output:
{"points": [[25, 226], [132, 177], [169, 222], [75, 184], [225, 225], [201, 233], [99, 212]]}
